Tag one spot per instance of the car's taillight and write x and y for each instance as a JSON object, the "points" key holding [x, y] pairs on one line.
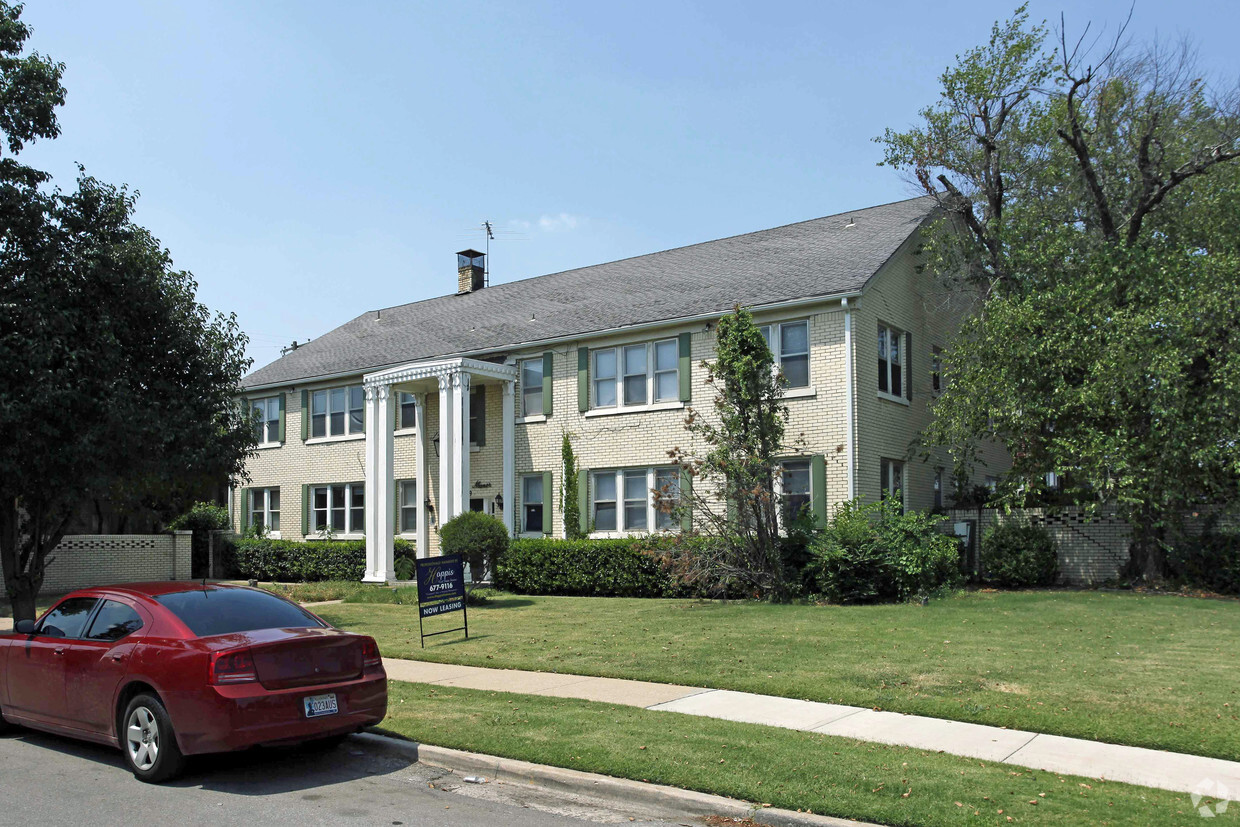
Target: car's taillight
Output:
{"points": [[233, 667], [370, 652]]}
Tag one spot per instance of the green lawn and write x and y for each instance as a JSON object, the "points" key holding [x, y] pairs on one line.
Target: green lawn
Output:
{"points": [[828, 775], [1153, 671]]}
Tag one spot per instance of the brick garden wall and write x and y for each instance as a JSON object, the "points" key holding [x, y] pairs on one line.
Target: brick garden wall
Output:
{"points": [[83, 560]]}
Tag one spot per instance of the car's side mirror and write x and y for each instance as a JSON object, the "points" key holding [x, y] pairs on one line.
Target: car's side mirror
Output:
{"points": [[24, 627]]}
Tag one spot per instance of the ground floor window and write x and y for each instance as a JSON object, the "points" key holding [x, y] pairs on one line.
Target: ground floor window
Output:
{"points": [[408, 506], [532, 495], [634, 499], [340, 509], [891, 481], [794, 494], [265, 509]]}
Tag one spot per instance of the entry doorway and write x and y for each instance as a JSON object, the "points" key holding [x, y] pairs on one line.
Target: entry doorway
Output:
{"points": [[486, 505]]}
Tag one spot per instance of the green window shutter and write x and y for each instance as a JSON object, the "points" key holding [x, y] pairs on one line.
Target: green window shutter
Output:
{"points": [[396, 509], [686, 499], [281, 404], [583, 499], [908, 359], [305, 415], [686, 367], [547, 501], [305, 511], [583, 379], [818, 488], [244, 517], [547, 384]]}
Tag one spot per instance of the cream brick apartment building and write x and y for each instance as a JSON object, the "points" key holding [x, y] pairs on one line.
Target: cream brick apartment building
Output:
{"points": [[461, 402]]}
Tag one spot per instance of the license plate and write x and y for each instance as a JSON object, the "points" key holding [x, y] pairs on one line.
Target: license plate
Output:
{"points": [[319, 705]]}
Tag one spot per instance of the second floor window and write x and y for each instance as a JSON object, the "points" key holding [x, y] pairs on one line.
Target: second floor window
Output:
{"points": [[338, 412], [936, 369], [890, 370], [635, 375], [789, 344], [531, 387], [408, 411], [478, 415], [266, 414]]}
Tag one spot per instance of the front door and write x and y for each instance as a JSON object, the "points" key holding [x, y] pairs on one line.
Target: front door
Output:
{"points": [[486, 505], [36, 667]]}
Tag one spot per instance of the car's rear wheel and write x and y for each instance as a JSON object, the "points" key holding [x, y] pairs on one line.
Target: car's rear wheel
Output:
{"points": [[148, 741]]}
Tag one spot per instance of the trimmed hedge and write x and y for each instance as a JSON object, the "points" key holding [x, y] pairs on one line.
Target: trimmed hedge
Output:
{"points": [[589, 568], [295, 561]]}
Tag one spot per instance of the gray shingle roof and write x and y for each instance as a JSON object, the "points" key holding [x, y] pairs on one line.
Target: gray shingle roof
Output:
{"points": [[814, 258]]}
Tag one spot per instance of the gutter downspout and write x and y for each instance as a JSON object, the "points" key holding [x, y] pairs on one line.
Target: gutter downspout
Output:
{"points": [[849, 413]]}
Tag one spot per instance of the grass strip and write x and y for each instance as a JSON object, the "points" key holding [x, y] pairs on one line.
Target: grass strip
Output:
{"points": [[796, 770], [1144, 670]]}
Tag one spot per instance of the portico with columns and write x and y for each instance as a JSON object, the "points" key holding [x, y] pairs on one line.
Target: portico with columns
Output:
{"points": [[451, 380]]}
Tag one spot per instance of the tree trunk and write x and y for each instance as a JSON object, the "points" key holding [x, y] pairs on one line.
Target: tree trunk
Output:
{"points": [[23, 604], [1147, 555]]}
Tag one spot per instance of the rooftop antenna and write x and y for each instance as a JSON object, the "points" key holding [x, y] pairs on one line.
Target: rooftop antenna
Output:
{"points": [[486, 273]]}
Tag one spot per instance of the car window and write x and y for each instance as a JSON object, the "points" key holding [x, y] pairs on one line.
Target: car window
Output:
{"points": [[114, 621], [213, 611], [67, 619]]}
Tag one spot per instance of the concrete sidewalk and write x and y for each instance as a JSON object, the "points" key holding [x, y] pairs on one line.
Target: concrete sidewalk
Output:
{"points": [[1053, 753]]}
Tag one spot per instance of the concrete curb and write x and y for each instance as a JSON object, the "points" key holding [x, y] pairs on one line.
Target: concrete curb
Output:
{"points": [[616, 792]]}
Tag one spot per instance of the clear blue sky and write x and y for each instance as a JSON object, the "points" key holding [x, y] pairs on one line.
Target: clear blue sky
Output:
{"points": [[309, 161]]}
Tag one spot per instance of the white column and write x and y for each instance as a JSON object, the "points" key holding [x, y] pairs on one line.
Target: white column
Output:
{"points": [[379, 488], [446, 499], [509, 450], [423, 480], [460, 442]]}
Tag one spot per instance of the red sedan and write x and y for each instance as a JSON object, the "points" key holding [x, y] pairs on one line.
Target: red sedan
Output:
{"points": [[166, 670]]}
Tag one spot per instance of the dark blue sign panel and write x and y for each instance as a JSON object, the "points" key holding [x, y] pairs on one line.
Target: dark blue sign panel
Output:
{"points": [[440, 578], [441, 589]]}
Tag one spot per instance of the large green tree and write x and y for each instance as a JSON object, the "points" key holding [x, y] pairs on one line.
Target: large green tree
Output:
{"points": [[115, 383], [732, 491], [1088, 193]]}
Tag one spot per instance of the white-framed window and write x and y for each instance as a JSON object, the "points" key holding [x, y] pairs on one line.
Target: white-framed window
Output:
{"points": [[890, 361], [938, 488], [266, 413], [340, 508], [633, 499], [406, 411], [337, 411], [408, 506], [667, 498], [789, 344], [265, 509], [478, 416], [531, 387], [891, 480], [532, 497], [936, 369], [636, 375], [795, 494]]}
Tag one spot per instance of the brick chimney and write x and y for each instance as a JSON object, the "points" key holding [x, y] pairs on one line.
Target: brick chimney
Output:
{"points": [[470, 271]]}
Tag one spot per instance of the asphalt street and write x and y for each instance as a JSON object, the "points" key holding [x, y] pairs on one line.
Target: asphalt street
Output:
{"points": [[45, 779]]}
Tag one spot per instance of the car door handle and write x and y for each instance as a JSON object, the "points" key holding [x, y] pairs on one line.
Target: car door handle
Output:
{"points": [[118, 657], [58, 651]]}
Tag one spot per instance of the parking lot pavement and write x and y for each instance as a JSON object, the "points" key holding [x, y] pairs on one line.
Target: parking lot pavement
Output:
{"points": [[52, 780]]}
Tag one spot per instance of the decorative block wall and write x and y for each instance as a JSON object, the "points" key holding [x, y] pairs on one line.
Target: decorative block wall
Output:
{"points": [[83, 560]]}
